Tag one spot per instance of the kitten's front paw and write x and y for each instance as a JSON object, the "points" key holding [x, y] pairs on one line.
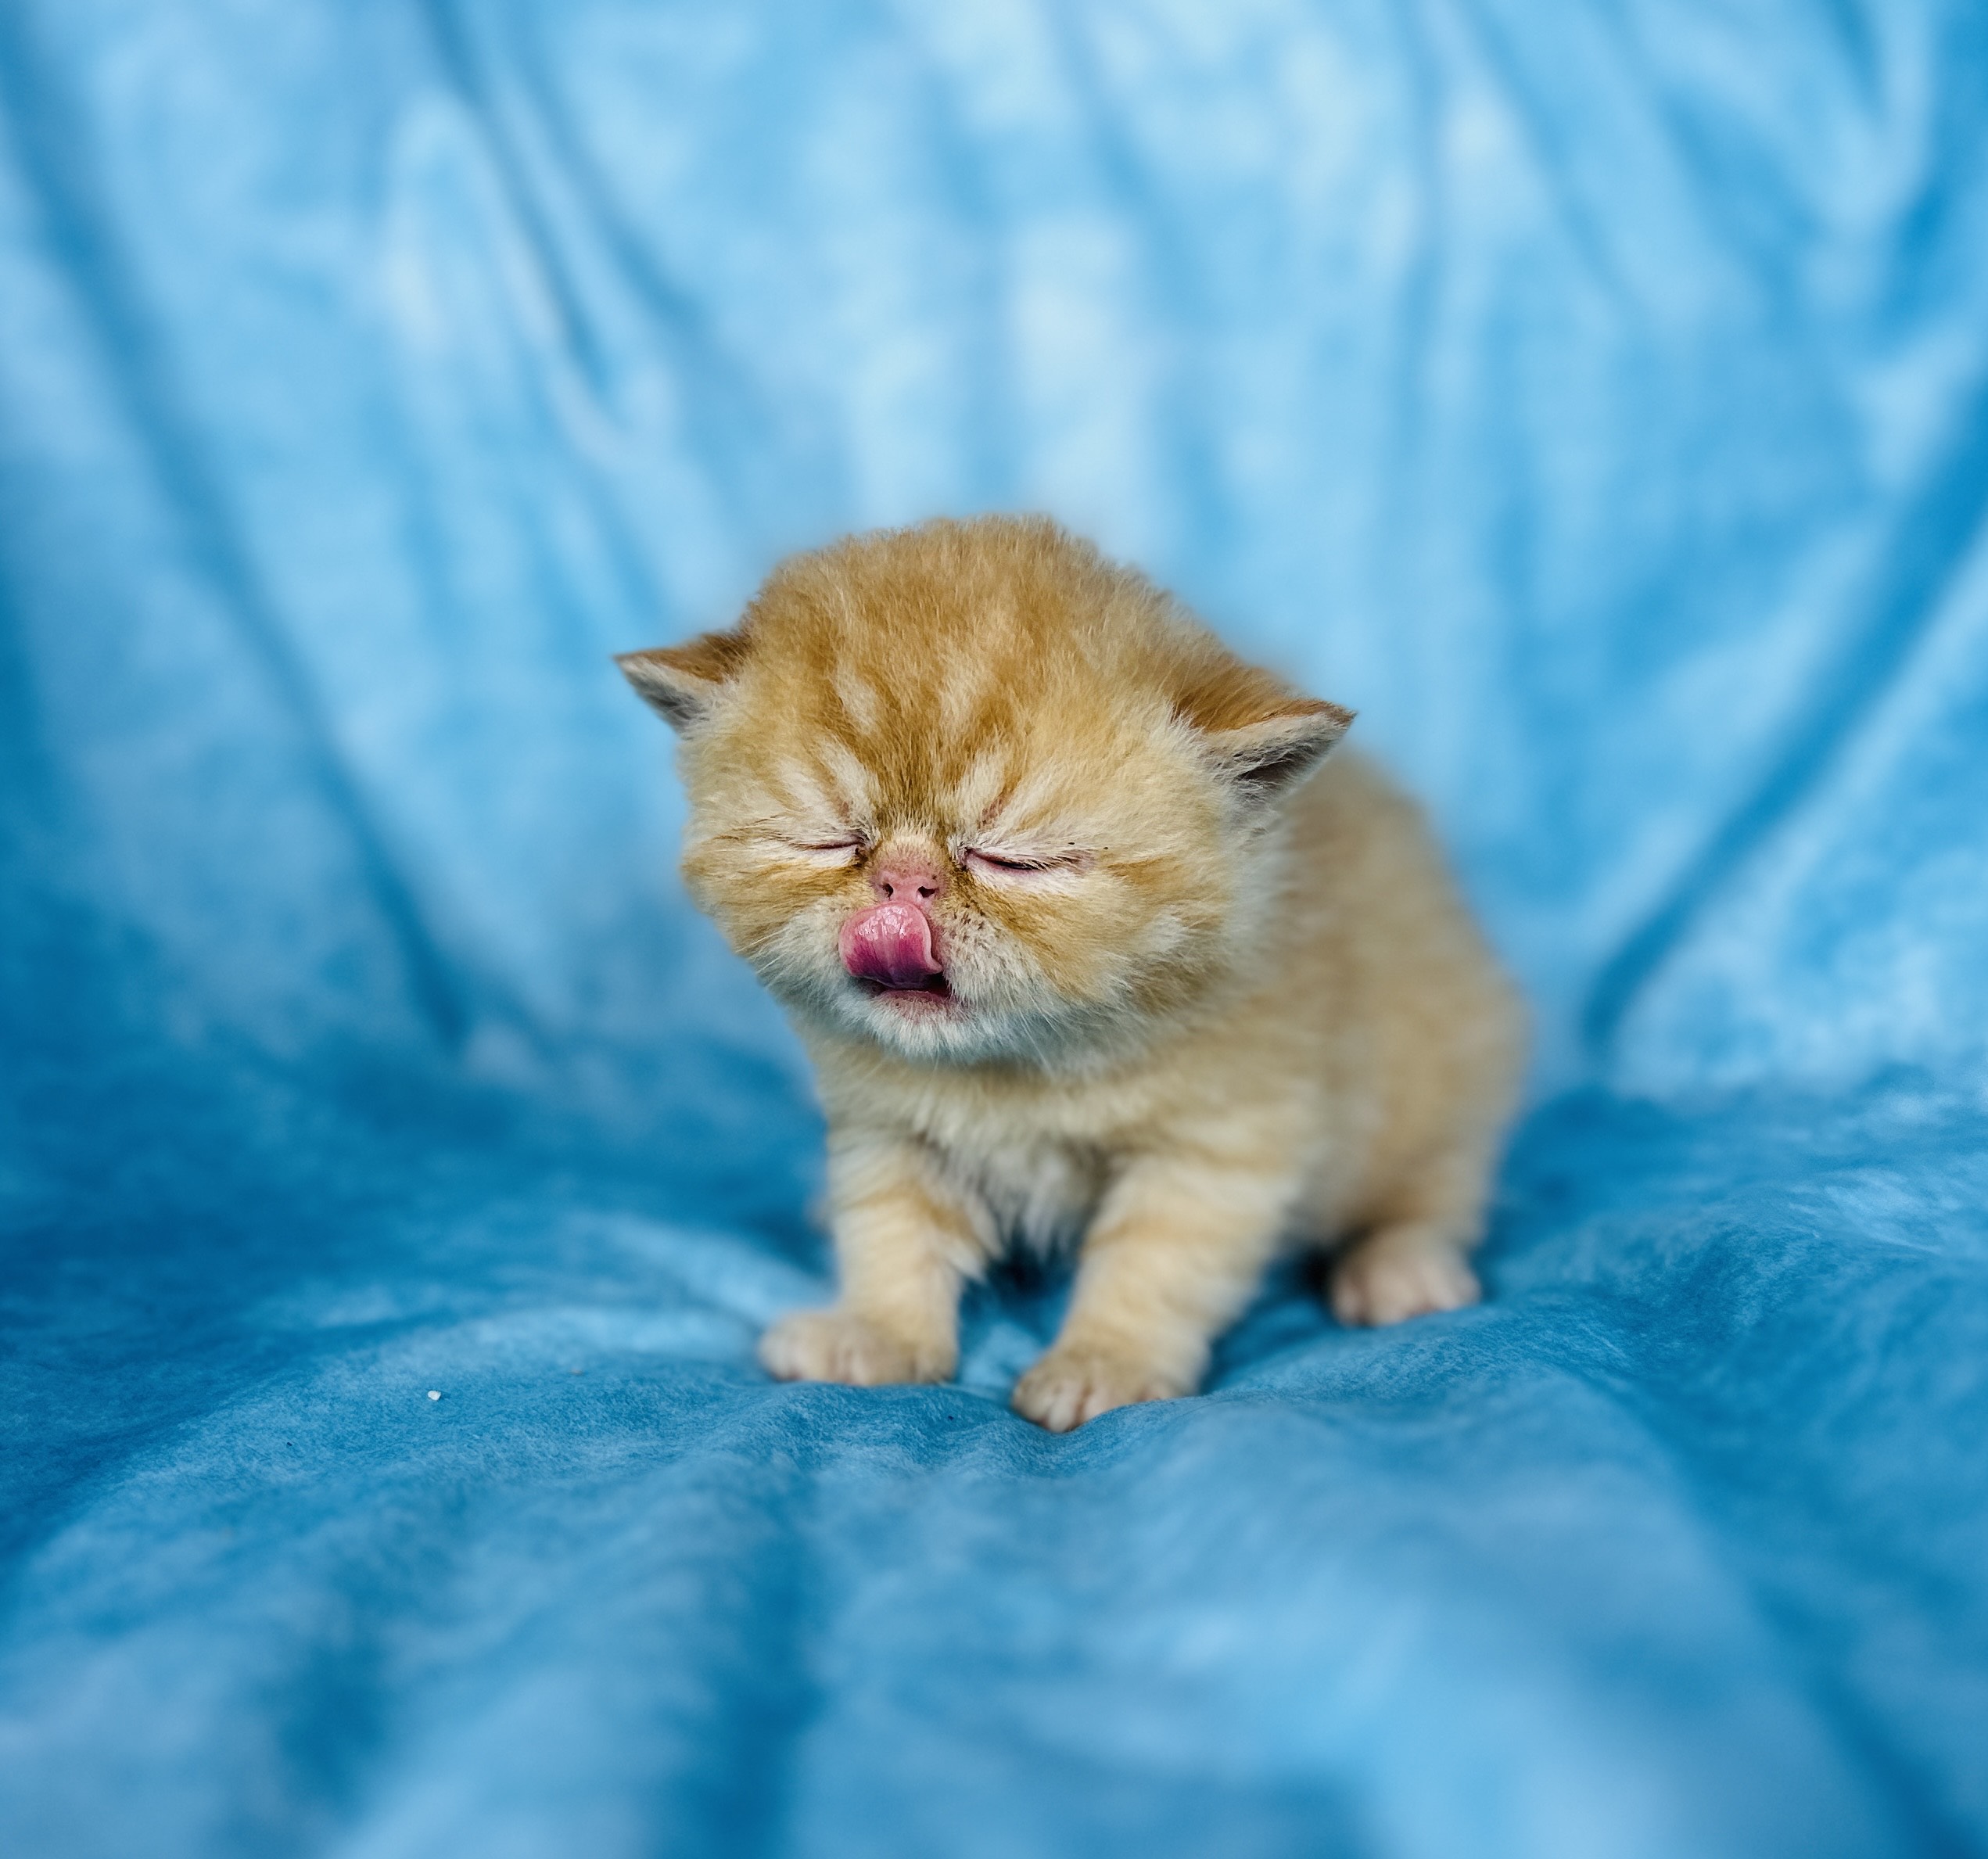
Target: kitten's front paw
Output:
{"points": [[836, 1345], [1387, 1280], [1072, 1385]]}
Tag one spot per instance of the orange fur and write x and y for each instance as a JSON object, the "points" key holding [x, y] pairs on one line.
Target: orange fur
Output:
{"points": [[1206, 998]]}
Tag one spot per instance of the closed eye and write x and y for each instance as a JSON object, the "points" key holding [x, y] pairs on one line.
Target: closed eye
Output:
{"points": [[1025, 864], [828, 849]]}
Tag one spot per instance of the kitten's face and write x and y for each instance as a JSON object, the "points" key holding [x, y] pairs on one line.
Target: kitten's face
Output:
{"points": [[969, 792]]}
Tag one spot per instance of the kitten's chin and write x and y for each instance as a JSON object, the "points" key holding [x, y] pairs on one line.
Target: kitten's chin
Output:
{"points": [[931, 1024], [989, 1022], [934, 1026], [933, 1004], [926, 1023]]}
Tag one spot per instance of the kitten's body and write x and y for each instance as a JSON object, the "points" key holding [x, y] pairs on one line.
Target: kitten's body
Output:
{"points": [[1198, 1002]]}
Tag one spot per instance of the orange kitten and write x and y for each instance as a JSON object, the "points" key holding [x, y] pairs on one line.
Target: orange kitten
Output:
{"points": [[1086, 945]]}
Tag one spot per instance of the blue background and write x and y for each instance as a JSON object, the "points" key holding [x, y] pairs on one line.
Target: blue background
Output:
{"points": [[1596, 397]]}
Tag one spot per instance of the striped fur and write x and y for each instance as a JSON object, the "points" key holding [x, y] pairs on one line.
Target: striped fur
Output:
{"points": [[1207, 996]]}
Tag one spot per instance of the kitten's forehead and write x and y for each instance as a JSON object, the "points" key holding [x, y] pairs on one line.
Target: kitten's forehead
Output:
{"points": [[960, 670], [970, 744], [940, 710], [953, 661], [947, 690], [820, 776], [861, 701], [940, 770]]}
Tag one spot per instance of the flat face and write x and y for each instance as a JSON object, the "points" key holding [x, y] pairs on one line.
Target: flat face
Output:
{"points": [[953, 795]]}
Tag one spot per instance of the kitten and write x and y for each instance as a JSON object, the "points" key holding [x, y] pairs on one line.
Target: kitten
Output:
{"points": [[1085, 943]]}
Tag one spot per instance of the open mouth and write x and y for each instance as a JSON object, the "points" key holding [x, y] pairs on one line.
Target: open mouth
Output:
{"points": [[931, 987]]}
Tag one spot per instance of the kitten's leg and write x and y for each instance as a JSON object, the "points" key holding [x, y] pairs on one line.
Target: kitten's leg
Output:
{"points": [[1175, 1252], [1416, 1258], [905, 1241]]}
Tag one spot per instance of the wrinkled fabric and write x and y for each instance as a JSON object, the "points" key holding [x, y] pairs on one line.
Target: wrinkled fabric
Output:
{"points": [[394, 1172]]}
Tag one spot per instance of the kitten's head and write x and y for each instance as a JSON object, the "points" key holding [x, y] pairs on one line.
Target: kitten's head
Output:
{"points": [[975, 793]]}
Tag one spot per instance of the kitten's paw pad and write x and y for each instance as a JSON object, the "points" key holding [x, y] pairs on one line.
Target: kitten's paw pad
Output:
{"points": [[1380, 1282], [1069, 1386], [834, 1345]]}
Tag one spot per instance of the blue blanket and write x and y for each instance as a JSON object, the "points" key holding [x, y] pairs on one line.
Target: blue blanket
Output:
{"points": [[394, 1173]]}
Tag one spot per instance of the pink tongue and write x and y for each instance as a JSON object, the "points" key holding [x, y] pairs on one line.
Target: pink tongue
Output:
{"points": [[891, 943]]}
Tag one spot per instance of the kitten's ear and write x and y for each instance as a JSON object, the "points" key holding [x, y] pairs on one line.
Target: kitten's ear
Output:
{"points": [[1272, 755], [682, 682]]}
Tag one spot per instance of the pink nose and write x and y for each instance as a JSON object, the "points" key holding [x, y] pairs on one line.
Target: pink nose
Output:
{"points": [[906, 881], [891, 943]]}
